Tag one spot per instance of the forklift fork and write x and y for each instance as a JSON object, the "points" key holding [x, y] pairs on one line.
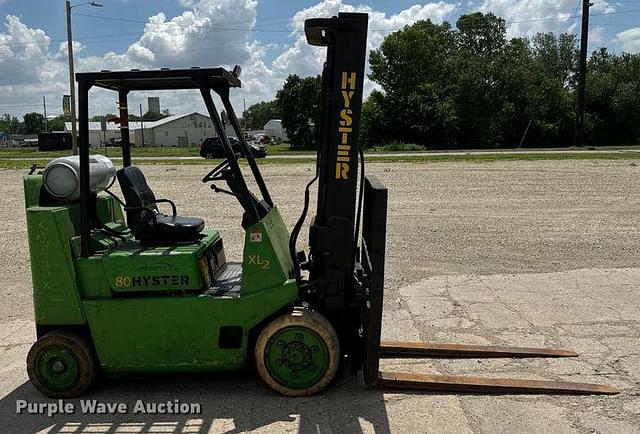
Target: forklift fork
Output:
{"points": [[372, 260], [448, 383]]}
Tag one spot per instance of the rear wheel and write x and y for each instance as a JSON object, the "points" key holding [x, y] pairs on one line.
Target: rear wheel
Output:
{"points": [[62, 364], [209, 156], [298, 354]]}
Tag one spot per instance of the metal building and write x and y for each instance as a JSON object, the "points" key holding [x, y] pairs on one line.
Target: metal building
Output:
{"points": [[189, 129]]}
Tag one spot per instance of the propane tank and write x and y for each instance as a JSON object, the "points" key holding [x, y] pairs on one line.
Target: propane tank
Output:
{"points": [[61, 176]]}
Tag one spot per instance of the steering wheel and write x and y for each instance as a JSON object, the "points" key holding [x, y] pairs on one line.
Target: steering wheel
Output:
{"points": [[214, 175]]}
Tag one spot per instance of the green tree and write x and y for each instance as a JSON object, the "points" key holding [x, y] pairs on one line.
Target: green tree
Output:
{"points": [[9, 124], [482, 34], [257, 115], [414, 68], [373, 121], [56, 124], [149, 116], [482, 105], [33, 123], [551, 101], [613, 88], [299, 108], [473, 87], [106, 117]]}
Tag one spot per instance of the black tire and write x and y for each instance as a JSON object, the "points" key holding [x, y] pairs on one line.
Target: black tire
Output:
{"points": [[209, 156], [316, 324], [71, 347]]}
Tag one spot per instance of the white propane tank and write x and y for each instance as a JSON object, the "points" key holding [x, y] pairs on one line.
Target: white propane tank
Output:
{"points": [[61, 176]]}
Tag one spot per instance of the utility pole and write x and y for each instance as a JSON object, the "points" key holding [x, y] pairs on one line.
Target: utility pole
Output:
{"points": [[582, 73], [72, 85], [44, 106], [141, 127]]}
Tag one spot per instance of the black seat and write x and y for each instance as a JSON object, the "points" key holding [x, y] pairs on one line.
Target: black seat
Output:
{"points": [[146, 222]]}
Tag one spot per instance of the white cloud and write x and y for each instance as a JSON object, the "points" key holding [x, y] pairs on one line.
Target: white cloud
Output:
{"points": [[527, 17], [187, 3], [213, 32], [304, 59], [208, 33], [20, 49], [629, 40], [596, 34], [62, 49], [195, 37]]}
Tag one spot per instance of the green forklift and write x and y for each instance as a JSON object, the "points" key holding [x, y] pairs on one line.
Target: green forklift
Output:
{"points": [[121, 286]]}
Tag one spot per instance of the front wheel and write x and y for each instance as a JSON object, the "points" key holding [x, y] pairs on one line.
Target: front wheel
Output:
{"points": [[298, 353], [62, 364]]}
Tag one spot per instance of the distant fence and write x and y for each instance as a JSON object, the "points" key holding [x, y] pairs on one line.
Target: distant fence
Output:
{"points": [[18, 140]]}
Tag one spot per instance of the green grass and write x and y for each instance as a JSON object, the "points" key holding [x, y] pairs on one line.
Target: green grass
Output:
{"points": [[151, 151], [474, 158], [272, 150], [17, 164], [285, 149], [398, 147], [487, 158], [111, 152]]}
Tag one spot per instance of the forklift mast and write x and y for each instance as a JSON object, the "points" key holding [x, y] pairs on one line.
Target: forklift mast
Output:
{"points": [[346, 270], [332, 237]]}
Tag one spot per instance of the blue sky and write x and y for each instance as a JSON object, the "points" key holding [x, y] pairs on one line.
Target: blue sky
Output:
{"points": [[262, 35], [50, 16]]}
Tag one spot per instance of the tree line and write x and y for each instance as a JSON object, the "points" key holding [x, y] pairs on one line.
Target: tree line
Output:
{"points": [[33, 123], [442, 87], [296, 104]]}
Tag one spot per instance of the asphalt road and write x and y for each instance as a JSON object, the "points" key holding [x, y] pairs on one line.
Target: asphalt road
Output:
{"points": [[541, 253]]}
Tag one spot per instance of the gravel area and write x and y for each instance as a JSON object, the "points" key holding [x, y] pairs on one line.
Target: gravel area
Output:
{"points": [[458, 235]]}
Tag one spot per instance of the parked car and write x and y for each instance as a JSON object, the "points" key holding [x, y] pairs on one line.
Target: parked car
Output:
{"points": [[263, 139], [212, 148], [258, 150]]}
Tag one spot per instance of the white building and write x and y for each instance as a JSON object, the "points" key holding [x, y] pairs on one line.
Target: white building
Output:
{"points": [[273, 128], [189, 129], [98, 137]]}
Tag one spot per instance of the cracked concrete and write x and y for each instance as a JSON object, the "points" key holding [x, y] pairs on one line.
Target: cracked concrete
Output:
{"points": [[512, 253]]}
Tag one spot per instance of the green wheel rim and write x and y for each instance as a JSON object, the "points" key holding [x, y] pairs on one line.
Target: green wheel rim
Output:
{"points": [[58, 369], [296, 357]]}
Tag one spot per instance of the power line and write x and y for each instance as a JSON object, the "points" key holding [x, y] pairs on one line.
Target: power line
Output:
{"points": [[191, 26], [78, 38], [208, 48], [575, 11], [262, 29], [256, 29]]}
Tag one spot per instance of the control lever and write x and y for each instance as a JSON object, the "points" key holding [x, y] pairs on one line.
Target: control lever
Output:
{"points": [[216, 189]]}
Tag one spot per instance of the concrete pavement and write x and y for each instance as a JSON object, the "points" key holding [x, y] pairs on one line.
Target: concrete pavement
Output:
{"points": [[542, 253]]}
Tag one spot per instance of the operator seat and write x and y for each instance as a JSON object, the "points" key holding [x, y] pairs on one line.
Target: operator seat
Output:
{"points": [[146, 222]]}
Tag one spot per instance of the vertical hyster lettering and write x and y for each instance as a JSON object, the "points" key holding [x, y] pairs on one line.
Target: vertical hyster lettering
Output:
{"points": [[345, 123]]}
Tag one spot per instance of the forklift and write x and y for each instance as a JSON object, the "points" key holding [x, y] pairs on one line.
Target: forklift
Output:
{"points": [[123, 287]]}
